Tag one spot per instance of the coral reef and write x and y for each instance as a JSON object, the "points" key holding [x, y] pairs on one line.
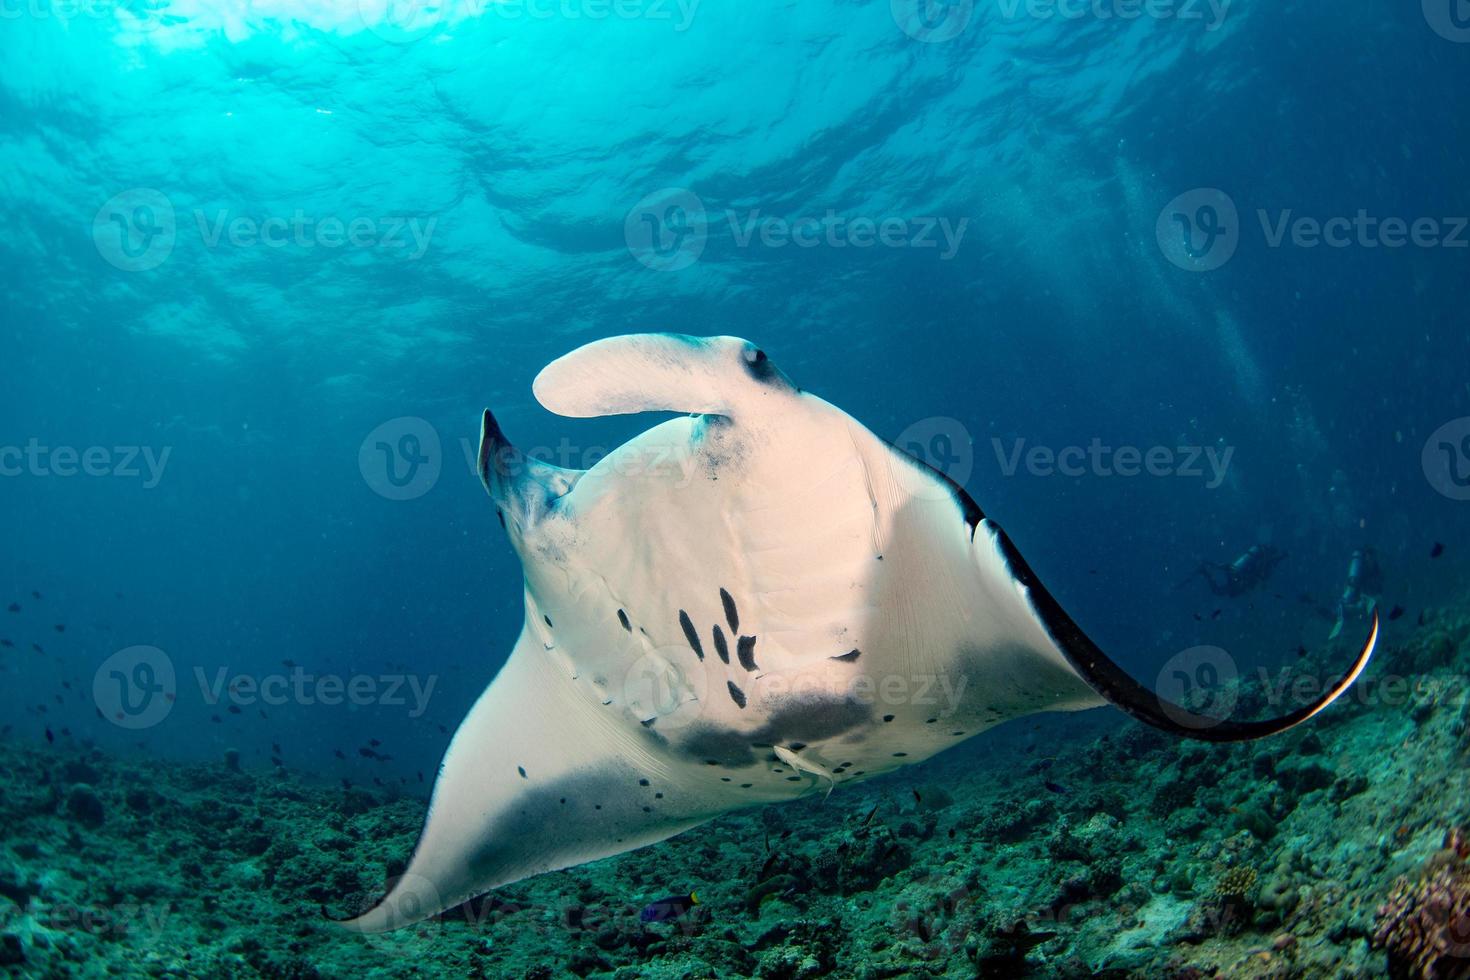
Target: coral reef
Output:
{"points": [[1425, 924], [1123, 855]]}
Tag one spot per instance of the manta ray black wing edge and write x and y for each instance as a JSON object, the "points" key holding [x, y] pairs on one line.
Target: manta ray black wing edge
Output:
{"points": [[1113, 683]]}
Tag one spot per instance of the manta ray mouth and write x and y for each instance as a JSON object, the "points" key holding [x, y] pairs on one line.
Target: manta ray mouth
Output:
{"points": [[1118, 687]]}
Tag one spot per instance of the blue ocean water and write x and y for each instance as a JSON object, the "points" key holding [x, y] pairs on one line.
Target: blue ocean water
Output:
{"points": [[265, 263]]}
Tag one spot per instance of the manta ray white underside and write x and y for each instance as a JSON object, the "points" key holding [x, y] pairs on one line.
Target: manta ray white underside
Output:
{"points": [[755, 601]]}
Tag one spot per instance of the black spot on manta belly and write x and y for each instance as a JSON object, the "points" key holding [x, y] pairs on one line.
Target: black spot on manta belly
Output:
{"points": [[522, 771], [736, 695], [745, 651], [623, 618], [548, 622], [721, 647], [732, 615], [847, 658], [691, 634]]}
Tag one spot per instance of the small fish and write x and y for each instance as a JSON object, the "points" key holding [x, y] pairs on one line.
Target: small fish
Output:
{"points": [[50, 738], [276, 760], [917, 797], [669, 909], [443, 730], [1055, 787], [276, 748], [60, 627], [35, 595], [374, 742], [421, 775], [37, 647], [1301, 651], [7, 644], [346, 783], [15, 607], [1198, 618], [367, 753], [1395, 613], [339, 754], [289, 664], [216, 719], [1216, 614], [233, 709], [1437, 550]]}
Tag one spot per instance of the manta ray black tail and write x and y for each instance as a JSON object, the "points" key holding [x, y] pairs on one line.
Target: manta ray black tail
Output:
{"points": [[1113, 683]]}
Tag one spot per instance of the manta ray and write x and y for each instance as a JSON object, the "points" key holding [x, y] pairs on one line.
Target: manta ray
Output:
{"points": [[754, 601]]}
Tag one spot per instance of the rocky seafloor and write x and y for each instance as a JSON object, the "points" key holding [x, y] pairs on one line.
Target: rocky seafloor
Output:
{"points": [[1097, 848]]}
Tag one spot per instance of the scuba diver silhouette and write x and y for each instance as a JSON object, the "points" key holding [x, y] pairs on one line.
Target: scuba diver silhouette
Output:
{"points": [[1245, 574], [1364, 586]]}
